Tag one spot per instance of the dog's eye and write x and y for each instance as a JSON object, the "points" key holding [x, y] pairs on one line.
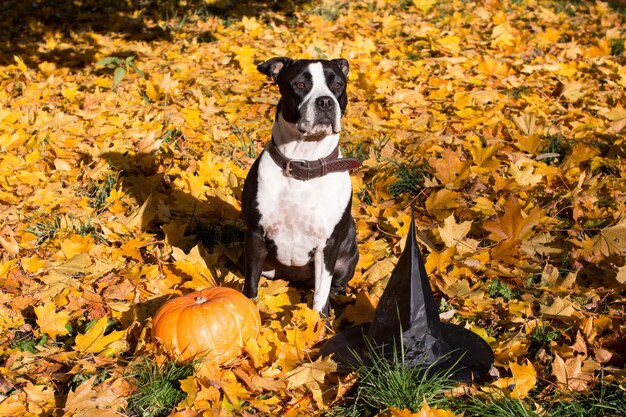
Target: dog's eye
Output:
{"points": [[337, 86], [300, 85]]}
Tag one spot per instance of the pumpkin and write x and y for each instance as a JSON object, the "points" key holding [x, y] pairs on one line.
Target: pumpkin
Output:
{"points": [[213, 323]]}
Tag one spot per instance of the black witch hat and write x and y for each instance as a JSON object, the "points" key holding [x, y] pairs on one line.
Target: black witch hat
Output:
{"points": [[406, 322]]}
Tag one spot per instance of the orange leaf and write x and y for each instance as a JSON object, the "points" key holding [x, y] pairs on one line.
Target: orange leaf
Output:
{"points": [[513, 224], [449, 169]]}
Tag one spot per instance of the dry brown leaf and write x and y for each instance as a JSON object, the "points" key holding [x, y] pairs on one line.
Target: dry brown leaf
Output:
{"points": [[569, 373], [88, 400]]}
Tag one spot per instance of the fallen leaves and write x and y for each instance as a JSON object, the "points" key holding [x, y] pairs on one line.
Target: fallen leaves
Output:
{"points": [[312, 376], [117, 192], [523, 379], [50, 321], [569, 373], [425, 411], [94, 340], [85, 400]]}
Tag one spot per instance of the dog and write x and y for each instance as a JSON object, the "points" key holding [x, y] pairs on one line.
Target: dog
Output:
{"points": [[296, 199]]}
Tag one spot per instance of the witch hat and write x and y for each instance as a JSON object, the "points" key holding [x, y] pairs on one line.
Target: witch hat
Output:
{"points": [[406, 321]]}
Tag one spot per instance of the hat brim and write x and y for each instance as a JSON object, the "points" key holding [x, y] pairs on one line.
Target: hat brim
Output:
{"points": [[468, 356]]}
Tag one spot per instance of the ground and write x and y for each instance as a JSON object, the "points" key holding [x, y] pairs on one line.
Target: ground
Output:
{"points": [[127, 129]]}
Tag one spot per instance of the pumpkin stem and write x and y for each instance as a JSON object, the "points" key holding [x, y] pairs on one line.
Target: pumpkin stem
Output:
{"points": [[200, 300]]}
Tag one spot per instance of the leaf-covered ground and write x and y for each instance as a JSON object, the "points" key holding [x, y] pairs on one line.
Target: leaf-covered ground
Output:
{"points": [[120, 186]]}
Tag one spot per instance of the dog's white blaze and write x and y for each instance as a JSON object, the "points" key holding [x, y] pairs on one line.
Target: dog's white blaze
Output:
{"points": [[307, 107]]}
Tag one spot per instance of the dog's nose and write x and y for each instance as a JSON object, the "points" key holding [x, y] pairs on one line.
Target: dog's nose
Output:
{"points": [[325, 103]]}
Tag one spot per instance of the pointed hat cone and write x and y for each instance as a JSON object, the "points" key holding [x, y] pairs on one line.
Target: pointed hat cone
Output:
{"points": [[406, 320]]}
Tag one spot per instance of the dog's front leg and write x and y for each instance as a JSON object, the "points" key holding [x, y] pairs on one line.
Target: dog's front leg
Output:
{"points": [[323, 280], [256, 252]]}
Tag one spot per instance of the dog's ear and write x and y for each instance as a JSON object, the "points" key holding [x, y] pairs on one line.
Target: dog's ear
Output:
{"points": [[342, 64], [274, 67]]}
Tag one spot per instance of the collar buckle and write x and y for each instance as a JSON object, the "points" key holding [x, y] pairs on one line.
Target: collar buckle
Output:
{"points": [[288, 167]]}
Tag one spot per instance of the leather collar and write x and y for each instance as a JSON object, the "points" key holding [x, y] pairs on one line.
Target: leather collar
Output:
{"points": [[303, 170]]}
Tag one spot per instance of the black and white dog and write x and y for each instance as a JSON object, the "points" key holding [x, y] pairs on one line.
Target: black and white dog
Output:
{"points": [[297, 196]]}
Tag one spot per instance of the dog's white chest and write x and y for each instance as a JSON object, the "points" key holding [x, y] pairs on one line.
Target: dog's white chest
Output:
{"points": [[299, 216]]}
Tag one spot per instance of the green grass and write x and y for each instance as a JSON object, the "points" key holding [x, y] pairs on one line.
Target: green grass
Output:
{"points": [[605, 400], [329, 10], [26, 341], [410, 178], [158, 387], [617, 46], [98, 192], [558, 145], [540, 338], [120, 67], [389, 382], [49, 229], [500, 289], [45, 230], [90, 229], [491, 407]]}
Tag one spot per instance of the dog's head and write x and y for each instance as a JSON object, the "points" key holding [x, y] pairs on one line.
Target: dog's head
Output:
{"points": [[313, 93]]}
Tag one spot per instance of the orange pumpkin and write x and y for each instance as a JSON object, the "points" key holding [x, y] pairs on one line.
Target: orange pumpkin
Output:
{"points": [[212, 323]]}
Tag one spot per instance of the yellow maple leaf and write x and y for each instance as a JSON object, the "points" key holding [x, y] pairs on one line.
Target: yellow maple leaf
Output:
{"points": [[442, 201], [141, 217], [612, 239], [522, 173], [312, 375], [245, 56], [450, 43], [71, 93], [617, 113], [8, 242], [449, 168], [573, 91], [482, 332], [151, 91], [600, 49], [94, 340], [523, 379], [50, 322], [21, 66], [192, 117], [75, 245], [32, 264], [308, 330], [424, 5], [196, 264], [252, 25], [452, 232], [39, 397], [313, 372], [484, 205], [504, 37], [362, 311], [259, 348]]}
